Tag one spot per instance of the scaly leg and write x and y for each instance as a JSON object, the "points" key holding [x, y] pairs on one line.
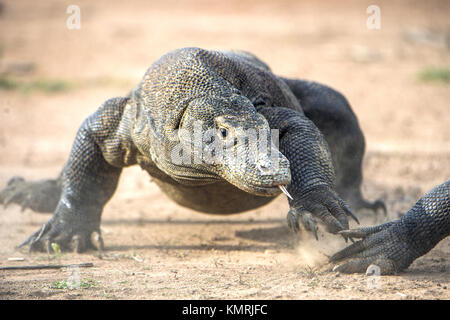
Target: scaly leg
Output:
{"points": [[88, 181], [312, 174], [332, 114]]}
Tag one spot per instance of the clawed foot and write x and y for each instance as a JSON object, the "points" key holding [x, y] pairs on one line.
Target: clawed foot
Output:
{"points": [[39, 196], [383, 246], [72, 235], [324, 204], [375, 206]]}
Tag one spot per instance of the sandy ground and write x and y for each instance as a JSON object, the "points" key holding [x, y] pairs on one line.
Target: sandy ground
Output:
{"points": [[158, 250]]}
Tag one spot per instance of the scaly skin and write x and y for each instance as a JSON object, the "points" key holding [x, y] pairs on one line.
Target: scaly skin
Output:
{"points": [[227, 91], [393, 246]]}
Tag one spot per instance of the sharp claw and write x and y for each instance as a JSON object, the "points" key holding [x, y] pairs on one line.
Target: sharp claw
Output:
{"points": [[35, 237], [23, 243], [354, 217], [366, 231], [97, 240], [350, 212], [8, 201], [353, 233], [314, 231], [381, 205], [44, 229], [348, 251], [14, 180], [309, 224], [292, 221], [26, 241], [24, 205], [49, 247], [77, 244]]}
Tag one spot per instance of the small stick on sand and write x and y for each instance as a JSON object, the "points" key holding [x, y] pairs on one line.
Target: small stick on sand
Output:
{"points": [[48, 266]]}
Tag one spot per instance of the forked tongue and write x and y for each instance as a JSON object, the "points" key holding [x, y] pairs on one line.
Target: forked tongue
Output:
{"points": [[283, 188]]}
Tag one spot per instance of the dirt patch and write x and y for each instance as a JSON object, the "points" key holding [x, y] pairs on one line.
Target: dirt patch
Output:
{"points": [[158, 250]]}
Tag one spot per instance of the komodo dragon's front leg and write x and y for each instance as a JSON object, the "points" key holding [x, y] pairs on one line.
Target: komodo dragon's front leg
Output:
{"points": [[88, 181], [312, 174]]}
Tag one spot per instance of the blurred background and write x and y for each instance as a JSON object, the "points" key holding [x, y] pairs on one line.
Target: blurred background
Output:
{"points": [[397, 77]]}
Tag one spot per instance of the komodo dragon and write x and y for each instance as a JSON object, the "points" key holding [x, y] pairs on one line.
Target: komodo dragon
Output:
{"points": [[231, 92]]}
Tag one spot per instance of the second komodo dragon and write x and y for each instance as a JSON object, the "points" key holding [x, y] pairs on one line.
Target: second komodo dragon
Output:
{"points": [[318, 158]]}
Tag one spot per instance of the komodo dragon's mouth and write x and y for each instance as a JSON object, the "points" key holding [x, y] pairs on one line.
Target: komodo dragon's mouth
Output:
{"points": [[197, 178], [266, 191]]}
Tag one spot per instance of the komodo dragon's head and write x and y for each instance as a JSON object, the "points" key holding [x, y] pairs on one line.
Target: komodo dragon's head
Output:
{"points": [[202, 129]]}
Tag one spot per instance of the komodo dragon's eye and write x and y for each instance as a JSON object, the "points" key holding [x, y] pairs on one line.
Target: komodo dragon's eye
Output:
{"points": [[223, 132], [227, 137]]}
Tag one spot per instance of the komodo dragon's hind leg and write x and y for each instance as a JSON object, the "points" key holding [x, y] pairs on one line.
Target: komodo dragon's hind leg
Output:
{"points": [[332, 114], [39, 196]]}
